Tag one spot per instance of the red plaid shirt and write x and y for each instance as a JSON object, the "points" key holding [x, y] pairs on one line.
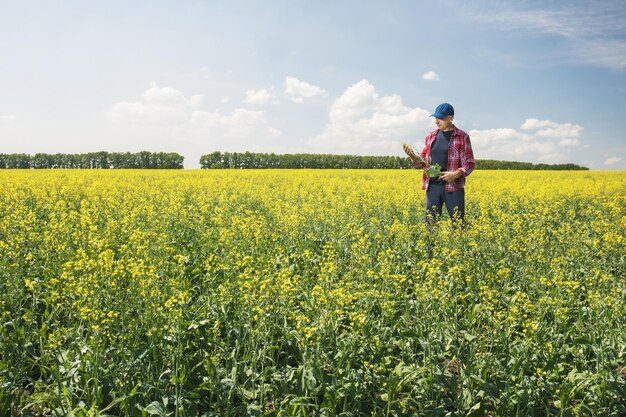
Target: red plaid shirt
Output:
{"points": [[460, 155]]}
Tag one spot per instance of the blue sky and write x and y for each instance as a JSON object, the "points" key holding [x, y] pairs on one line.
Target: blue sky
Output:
{"points": [[538, 81]]}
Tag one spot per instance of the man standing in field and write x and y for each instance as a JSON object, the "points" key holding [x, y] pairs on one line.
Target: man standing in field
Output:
{"points": [[450, 147]]}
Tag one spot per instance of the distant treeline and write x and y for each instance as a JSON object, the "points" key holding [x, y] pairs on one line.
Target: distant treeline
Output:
{"points": [[94, 160], [245, 160], [240, 160], [299, 160], [493, 164]]}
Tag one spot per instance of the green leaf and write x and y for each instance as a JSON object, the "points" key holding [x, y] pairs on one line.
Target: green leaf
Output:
{"points": [[154, 409], [433, 171]]}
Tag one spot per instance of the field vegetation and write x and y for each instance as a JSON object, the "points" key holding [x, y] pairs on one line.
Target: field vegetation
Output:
{"points": [[310, 293]]}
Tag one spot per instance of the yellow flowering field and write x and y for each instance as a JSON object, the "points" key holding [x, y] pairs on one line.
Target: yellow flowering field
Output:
{"points": [[310, 293]]}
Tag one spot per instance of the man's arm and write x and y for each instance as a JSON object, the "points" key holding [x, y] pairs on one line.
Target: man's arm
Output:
{"points": [[467, 157]]}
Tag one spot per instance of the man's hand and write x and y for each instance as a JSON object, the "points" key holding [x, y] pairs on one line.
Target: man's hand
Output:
{"points": [[414, 158], [450, 176]]}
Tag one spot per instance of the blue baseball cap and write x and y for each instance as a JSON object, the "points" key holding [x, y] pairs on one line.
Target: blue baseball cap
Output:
{"points": [[443, 110]]}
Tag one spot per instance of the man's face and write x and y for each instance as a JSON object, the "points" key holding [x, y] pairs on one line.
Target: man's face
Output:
{"points": [[445, 123]]}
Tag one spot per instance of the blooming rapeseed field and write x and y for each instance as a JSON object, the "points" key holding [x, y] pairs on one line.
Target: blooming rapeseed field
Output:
{"points": [[309, 293]]}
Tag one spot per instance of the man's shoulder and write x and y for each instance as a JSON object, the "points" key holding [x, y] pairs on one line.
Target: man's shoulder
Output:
{"points": [[432, 134], [460, 132]]}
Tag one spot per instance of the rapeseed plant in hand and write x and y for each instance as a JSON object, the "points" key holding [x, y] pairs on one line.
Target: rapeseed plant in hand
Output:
{"points": [[432, 171]]}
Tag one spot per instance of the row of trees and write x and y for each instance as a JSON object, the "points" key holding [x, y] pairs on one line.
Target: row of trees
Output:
{"points": [[299, 160], [94, 160], [324, 161], [494, 164], [240, 160]]}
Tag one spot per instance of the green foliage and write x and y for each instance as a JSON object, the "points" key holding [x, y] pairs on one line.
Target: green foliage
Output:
{"points": [[515, 165], [315, 161], [250, 160], [244, 160], [433, 171], [309, 293], [94, 160]]}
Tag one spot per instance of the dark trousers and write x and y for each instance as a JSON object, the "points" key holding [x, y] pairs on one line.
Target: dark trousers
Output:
{"points": [[436, 197]]}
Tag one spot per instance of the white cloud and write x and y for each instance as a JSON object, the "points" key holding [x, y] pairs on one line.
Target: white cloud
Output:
{"points": [[168, 95], [430, 76], [536, 124], [166, 106], [364, 122], [612, 161], [543, 140], [361, 121], [260, 97], [6, 118], [165, 116], [239, 124], [547, 128], [160, 105], [225, 99], [140, 111], [300, 90]]}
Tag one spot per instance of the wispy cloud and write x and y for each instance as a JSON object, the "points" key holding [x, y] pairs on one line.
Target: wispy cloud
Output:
{"points": [[612, 161], [239, 124], [6, 118], [203, 72], [595, 31]]}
